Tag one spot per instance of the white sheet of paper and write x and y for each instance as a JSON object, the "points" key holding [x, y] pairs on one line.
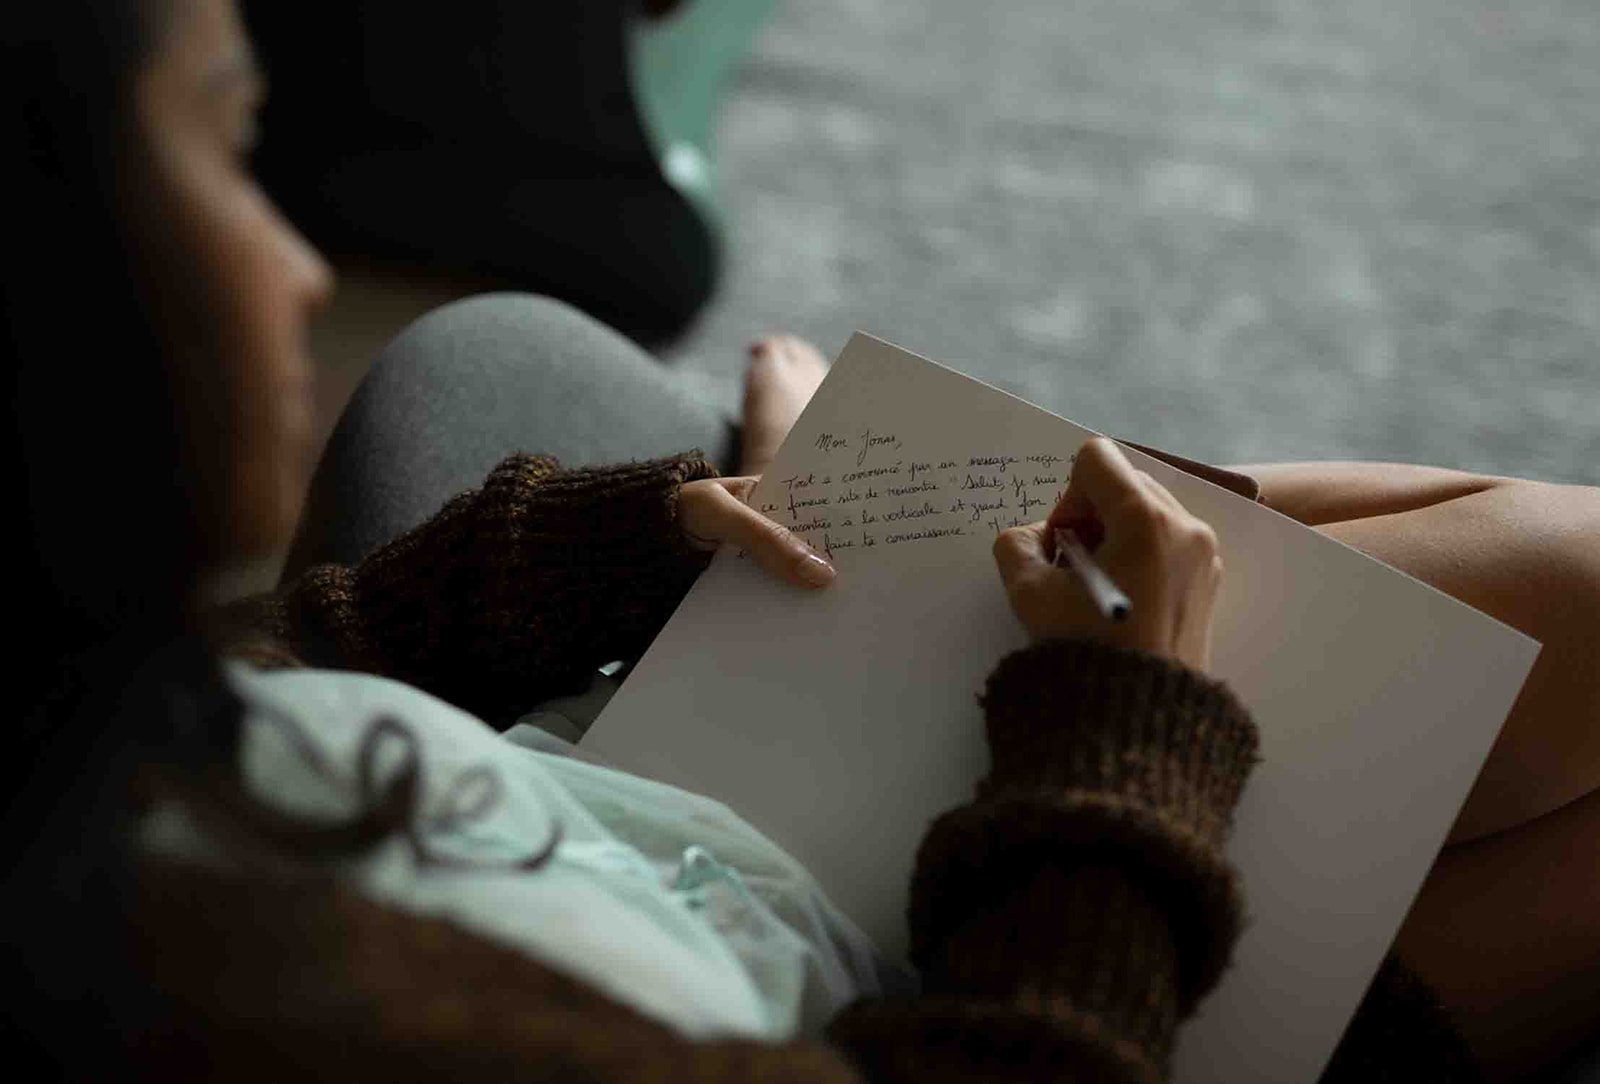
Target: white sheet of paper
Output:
{"points": [[841, 722]]}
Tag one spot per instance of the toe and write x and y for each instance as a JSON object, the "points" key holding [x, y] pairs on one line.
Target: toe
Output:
{"points": [[799, 352], [788, 350]]}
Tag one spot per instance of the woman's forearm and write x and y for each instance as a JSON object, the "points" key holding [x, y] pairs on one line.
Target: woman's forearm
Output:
{"points": [[1039, 933], [510, 594]]}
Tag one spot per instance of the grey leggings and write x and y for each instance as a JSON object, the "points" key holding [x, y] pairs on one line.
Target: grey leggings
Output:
{"points": [[472, 382]]}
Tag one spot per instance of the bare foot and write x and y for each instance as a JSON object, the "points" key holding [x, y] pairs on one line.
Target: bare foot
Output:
{"points": [[784, 372]]}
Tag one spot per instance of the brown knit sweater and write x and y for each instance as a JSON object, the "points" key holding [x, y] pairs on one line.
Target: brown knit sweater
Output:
{"points": [[1064, 921], [510, 595]]}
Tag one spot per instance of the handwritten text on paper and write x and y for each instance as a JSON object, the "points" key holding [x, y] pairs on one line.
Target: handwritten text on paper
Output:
{"points": [[871, 490]]}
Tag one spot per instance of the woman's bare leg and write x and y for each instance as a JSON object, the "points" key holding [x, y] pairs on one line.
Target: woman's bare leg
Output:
{"points": [[1507, 930], [1526, 553], [1507, 926]]}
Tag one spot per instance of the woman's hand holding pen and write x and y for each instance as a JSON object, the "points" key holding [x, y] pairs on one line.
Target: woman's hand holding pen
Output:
{"points": [[713, 512], [1164, 559]]}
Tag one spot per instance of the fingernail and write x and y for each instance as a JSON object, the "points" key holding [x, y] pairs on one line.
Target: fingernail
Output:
{"points": [[759, 348], [815, 571]]}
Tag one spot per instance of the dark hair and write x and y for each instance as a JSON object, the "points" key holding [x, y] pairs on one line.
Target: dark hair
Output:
{"points": [[108, 675], [106, 542], [121, 701], [92, 437]]}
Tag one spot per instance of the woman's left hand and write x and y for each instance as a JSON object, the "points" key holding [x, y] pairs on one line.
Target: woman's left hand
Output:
{"points": [[713, 511]]}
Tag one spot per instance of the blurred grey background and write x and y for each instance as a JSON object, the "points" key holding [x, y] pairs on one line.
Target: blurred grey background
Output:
{"points": [[1237, 229]]}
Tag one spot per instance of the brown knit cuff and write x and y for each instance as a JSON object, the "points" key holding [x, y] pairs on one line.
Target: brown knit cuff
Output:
{"points": [[1087, 945], [978, 858], [600, 543], [511, 593], [325, 622], [1083, 716]]}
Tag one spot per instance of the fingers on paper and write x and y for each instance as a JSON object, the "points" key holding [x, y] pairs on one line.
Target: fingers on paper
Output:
{"points": [[771, 545], [739, 487], [1105, 493], [1047, 601], [1021, 549]]}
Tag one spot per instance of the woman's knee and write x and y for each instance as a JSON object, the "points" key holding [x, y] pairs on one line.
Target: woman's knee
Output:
{"points": [[1526, 554], [527, 313], [1539, 555], [452, 394], [499, 334]]}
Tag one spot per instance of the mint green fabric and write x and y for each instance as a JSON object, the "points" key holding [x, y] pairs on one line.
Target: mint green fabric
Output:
{"points": [[665, 900], [680, 67]]}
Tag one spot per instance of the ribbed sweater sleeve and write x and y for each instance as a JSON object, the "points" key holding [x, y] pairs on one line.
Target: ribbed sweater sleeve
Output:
{"points": [[1069, 916], [512, 593]]}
